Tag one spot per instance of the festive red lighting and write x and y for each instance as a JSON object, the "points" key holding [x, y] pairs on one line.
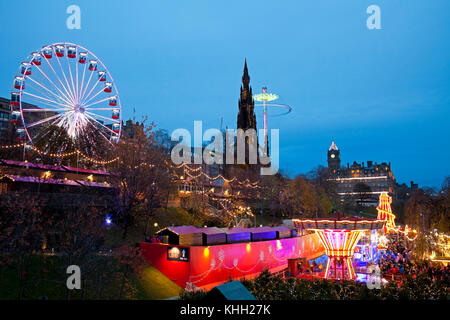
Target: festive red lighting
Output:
{"points": [[385, 212]]}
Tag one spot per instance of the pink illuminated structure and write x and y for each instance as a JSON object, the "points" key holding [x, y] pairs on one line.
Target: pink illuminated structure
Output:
{"points": [[339, 237]]}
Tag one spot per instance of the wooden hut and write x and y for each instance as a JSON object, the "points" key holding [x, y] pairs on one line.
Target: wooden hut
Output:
{"points": [[213, 235], [183, 235], [283, 232], [237, 234], [263, 233]]}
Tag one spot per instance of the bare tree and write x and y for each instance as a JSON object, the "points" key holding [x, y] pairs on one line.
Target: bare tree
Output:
{"points": [[142, 175]]}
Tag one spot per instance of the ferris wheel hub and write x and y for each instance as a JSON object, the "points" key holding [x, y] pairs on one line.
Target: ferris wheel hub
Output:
{"points": [[79, 108]]}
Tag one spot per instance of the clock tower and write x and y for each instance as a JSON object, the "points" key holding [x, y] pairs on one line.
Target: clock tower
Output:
{"points": [[334, 157]]}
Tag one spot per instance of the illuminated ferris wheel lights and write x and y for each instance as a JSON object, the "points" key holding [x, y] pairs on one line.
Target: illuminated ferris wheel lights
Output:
{"points": [[60, 94]]}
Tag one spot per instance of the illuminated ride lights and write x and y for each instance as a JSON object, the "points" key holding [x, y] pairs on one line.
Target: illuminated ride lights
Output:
{"points": [[71, 92], [339, 237], [385, 212], [265, 98]]}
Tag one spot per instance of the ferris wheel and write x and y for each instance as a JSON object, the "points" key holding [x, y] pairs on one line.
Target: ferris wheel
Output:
{"points": [[63, 89]]}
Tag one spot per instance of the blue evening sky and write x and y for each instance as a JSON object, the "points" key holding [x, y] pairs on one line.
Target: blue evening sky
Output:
{"points": [[382, 95]]}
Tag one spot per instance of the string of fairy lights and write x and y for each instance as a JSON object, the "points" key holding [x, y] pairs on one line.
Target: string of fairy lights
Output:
{"points": [[60, 155], [188, 171]]}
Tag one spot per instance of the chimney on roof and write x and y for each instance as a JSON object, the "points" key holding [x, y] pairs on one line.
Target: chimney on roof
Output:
{"points": [[348, 165]]}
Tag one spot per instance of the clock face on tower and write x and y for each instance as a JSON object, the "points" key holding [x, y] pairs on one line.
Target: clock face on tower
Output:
{"points": [[332, 155]]}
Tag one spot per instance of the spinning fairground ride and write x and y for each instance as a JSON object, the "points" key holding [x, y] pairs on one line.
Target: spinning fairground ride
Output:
{"points": [[339, 237], [266, 101]]}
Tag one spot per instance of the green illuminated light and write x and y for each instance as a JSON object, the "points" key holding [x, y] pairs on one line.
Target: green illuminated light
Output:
{"points": [[265, 97]]}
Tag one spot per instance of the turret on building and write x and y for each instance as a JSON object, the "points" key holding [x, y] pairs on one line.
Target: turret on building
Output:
{"points": [[334, 156], [363, 183]]}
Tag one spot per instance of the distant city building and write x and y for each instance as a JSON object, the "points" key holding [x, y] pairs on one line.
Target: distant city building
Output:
{"points": [[7, 129], [129, 127], [360, 182], [404, 192], [5, 120]]}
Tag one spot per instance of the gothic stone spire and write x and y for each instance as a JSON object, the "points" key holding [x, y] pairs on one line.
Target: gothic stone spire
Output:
{"points": [[246, 117]]}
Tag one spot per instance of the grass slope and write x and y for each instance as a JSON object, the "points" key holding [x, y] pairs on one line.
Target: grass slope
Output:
{"points": [[156, 286]]}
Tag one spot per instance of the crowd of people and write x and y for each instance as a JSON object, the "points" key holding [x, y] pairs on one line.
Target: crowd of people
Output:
{"points": [[397, 262]]}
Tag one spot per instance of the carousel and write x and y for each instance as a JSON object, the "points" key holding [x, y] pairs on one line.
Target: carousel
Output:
{"points": [[339, 236]]}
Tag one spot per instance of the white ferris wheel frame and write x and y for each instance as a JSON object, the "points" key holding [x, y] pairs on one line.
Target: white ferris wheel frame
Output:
{"points": [[65, 92]]}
